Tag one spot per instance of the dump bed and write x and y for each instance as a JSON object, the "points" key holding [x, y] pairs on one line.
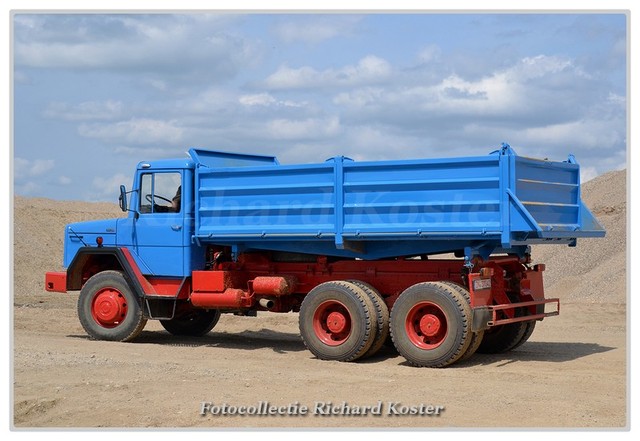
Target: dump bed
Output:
{"points": [[387, 209]]}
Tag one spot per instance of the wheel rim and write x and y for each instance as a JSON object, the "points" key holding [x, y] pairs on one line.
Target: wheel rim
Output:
{"points": [[426, 325], [109, 307], [332, 323]]}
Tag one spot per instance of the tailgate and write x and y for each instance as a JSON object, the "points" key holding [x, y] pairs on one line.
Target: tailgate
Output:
{"points": [[547, 196]]}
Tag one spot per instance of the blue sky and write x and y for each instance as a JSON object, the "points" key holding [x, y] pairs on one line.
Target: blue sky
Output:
{"points": [[94, 94]]}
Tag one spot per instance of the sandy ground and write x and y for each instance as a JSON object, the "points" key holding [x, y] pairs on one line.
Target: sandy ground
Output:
{"points": [[572, 373]]}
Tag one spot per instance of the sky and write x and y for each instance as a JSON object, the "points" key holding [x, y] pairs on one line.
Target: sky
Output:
{"points": [[96, 93]]}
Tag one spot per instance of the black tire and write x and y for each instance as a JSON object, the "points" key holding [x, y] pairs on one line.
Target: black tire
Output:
{"points": [[476, 341], [337, 321], [382, 317], [194, 323], [502, 338], [108, 309], [431, 324], [476, 337], [531, 325]]}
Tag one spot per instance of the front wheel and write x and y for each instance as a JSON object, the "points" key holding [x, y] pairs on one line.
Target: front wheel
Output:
{"points": [[194, 323], [108, 309]]}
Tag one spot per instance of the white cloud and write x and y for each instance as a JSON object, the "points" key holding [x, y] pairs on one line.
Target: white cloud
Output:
{"points": [[308, 32], [80, 55], [538, 66], [587, 173], [211, 100], [362, 97], [64, 180], [266, 100], [20, 77], [27, 188], [303, 129], [372, 143], [316, 29], [135, 131], [41, 166], [106, 187], [587, 133], [157, 84], [617, 100], [547, 106], [85, 111], [156, 44], [31, 176], [145, 152], [368, 70], [429, 54], [261, 99], [532, 87], [31, 168]]}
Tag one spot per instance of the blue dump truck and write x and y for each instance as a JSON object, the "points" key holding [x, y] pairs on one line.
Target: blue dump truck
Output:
{"points": [[432, 255]]}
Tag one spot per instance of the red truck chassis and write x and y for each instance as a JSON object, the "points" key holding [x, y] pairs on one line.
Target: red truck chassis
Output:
{"points": [[444, 307]]}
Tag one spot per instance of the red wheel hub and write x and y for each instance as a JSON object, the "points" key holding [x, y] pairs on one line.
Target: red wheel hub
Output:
{"points": [[336, 322], [109, 307], [430, 325], [332, 323], [426, 325]]}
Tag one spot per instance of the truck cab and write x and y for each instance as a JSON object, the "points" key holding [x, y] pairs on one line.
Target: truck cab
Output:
{"points": [[160, 221], [159, 224]]}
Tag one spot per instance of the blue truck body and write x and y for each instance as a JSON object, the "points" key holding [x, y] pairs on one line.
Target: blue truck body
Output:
{"points": [[374, 210]]}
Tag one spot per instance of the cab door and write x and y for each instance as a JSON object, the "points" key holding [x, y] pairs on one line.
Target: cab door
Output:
{"points": [[158, 231]]}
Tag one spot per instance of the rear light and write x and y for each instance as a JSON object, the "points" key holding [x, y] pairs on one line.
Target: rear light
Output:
{"points": [[99, 241], [486, 272]]}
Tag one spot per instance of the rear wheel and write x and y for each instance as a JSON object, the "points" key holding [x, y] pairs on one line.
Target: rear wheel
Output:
{"points": [[476, 337], [337, 321], [503, 338], [476, 340], [431, 324], [527, 333], [194, 323], [382, 317], [108, 309]]}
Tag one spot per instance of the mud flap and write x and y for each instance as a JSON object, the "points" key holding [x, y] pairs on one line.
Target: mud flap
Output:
{"points": [[481, 317]]}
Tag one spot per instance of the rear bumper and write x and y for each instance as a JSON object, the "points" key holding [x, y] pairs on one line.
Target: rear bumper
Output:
{"points": [[55, 282], [485, 317]]}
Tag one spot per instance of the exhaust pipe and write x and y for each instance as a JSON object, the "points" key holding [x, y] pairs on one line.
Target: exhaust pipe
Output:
{"points": [[267, 303]]}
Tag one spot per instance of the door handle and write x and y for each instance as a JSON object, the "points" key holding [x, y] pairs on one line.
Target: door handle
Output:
{"points": [[176, 227]]}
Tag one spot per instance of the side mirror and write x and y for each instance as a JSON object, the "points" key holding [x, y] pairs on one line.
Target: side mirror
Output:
{"points": [[122, 200]]}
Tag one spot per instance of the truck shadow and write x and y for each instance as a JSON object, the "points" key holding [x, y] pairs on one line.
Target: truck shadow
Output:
{"points": [[285, 342], [279, 342], [554, 352]]}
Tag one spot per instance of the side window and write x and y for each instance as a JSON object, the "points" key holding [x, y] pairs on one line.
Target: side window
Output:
{"points": [[160, 193]]}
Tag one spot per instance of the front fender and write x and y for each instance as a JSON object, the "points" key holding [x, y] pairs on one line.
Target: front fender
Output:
{"points": [[91, 260]]}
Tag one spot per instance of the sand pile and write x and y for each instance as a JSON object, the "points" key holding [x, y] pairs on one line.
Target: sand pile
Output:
{"points": [[594, 271], [38, 233]]}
